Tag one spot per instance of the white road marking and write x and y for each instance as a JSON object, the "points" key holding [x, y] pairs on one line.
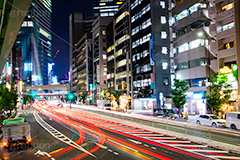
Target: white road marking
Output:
{"points": [[224, 157], [161, 138], [58, 135], [199, 150], [146, 145], [167, 141], [122, 145], [137, 142], [44, 154], [115, 153], [139, 132], [102, 146], [150, 135], [153, 147], [110, 150], [186, 145]]}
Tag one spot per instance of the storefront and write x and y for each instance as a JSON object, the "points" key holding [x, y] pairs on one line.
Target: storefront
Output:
{"points": [[196, 103]]}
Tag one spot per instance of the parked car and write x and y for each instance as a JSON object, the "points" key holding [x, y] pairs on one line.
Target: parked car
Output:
{"points": [[210, 120], [164, 112], [233, 120]]}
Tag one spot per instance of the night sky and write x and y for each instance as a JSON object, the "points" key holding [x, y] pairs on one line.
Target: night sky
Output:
{"points": [[60, 30]]}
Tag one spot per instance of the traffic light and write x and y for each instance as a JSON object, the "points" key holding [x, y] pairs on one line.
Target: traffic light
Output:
{"points": [[33, 94], [70, 96]]}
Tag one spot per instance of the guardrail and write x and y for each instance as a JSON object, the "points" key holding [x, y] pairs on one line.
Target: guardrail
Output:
{"points": [[188, 130], [224, 137]]}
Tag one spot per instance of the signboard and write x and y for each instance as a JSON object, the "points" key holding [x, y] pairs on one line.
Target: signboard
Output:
{"points": [[152, 81], [98, 73], [151, 49], [225, 70]]}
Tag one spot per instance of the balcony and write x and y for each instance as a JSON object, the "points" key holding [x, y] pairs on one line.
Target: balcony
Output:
{"points": [[212, 29], [212, 12], [193, 73], [227, 52], [224, 15], [227, 33]]}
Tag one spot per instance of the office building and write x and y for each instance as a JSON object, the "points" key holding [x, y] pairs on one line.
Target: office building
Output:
{"points": [[105, 8], [150, 53], [81, 53], [194, 60], [110, 58], [99, 43], [122, 59], [35, 40]]}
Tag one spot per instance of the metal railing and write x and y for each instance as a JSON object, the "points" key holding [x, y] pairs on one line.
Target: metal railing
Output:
{"points": [[179, 128]]}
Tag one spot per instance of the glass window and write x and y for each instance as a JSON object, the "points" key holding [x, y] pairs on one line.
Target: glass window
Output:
{"points": [[164, 35], [164, 50], [162, 4], [163, 20], [196, 43], [165, 65], [165, 81], [182, 15], [182, 48], [183, 65]]}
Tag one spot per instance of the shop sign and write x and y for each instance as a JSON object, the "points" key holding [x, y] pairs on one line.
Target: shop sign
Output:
{"points": [[225, 70], [198, 95]]}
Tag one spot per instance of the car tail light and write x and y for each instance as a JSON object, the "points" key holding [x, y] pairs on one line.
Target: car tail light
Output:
{"points": [[29, 140], [5, 144]]}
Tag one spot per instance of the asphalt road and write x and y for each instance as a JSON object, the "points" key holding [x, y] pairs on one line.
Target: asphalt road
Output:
{"points": [[64, 134]]}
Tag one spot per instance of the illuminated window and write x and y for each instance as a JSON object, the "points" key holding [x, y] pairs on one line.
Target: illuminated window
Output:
{"points": [[164, 35], [119, 2], [162, 4], [164, 50], [102, 4], [163, 20], [165, 65], [182, 48], [196, 43], [227, 7]]}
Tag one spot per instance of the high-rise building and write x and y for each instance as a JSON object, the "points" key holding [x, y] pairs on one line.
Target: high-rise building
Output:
{"points": [[105, 8], [193, 57], [225, 28], [81, 53], [122, 58], [150, 53], [99, 37], [35, 40]]}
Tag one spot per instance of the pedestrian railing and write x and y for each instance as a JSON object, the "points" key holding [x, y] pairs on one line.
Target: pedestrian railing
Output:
{"points": [[188, 130]]}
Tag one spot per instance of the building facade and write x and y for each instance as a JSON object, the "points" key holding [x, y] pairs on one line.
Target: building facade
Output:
{"points": [[100, 54], [35, 40], [150, 53], [105, 8], [193, 57], [225, 29], [81, 66], [122, 58]]}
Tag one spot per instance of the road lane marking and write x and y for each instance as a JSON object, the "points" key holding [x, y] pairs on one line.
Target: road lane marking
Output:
{"points": [[152, 135], [146, 145], [137, 142], [214, 151], [153, 147], [167, 141], [116, 153], [56, 151], [152, 138], [44, 154], [122, 145], [185, 145], [224, 157], [110, 150], [58, 135]]}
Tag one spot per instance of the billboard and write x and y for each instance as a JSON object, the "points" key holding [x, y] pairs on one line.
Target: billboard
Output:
{"points": [[151, 50]]}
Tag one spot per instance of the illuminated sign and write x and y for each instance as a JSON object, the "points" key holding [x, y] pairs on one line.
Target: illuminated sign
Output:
{"points": [[151, 48], [225, 70], [27, 67], [235, 68], [36, 77], [50, 68], [198, 95]]}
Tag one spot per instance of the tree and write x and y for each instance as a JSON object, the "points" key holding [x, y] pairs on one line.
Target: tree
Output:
{"points": [[104, 95], [178, 93], [27, 99], [82, 97], [117, 95], [218, 92], [8, 97]]}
